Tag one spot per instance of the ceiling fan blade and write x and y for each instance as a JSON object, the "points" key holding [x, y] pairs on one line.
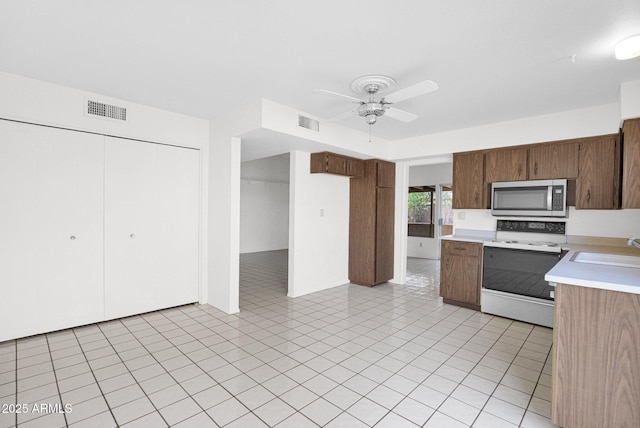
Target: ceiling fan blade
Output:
{"points": [[412, 91], [341, 116], [324, 91], [401, 115]]}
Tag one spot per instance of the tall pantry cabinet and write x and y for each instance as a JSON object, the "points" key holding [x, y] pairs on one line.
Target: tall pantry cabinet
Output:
{"points": [[371, 224], [62, 218]]}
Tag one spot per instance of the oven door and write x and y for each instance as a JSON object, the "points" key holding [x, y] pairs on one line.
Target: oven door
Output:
{"points": [[518, 272]]}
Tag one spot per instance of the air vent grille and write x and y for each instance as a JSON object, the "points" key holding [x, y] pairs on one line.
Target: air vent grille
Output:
{"points": [[96, 108], [306, 122]]}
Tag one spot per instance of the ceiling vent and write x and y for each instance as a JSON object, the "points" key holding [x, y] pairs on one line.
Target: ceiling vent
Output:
{"points": [[95, 108], [306, 122]]}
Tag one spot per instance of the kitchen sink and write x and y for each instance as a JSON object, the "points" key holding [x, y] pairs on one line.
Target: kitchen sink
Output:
{"points": [[607, 259]]}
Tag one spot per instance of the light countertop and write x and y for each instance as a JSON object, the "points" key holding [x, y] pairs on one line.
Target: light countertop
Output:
{"points": [[470, 235], [467, 238], [615, 278]]}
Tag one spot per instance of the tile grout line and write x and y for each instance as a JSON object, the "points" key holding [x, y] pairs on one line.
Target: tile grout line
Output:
{"points": [[16, 397], [93, 374], [64, 414], [258, 383], [505, 373], [169, 373]]}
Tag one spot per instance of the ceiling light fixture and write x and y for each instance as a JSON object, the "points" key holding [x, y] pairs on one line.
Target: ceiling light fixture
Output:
{"points": [[628, 48]]}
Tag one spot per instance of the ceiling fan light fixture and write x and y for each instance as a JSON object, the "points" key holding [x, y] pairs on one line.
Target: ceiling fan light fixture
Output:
{"points": [[628, 48], [370, 111], [373, 107]]}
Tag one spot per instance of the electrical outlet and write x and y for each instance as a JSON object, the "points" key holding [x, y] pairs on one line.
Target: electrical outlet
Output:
{"points": [[420, 244], [461, 215], [321, 212]]}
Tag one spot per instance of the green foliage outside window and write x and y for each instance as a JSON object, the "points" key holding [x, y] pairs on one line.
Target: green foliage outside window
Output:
{"points": [[420, 207]]}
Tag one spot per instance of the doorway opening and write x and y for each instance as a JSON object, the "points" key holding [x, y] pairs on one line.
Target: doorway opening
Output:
{"points": [[430, 216], [264, 230]]}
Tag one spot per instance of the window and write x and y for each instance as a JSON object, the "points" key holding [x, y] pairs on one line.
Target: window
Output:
{"points": [[421, 205], [446, 210]]}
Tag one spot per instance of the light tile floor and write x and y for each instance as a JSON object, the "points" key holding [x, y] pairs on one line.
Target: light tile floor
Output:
{"points": [[352, 356]]}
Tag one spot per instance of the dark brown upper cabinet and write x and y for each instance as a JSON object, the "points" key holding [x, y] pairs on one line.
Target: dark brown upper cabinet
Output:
{"points": [[333, 163], [550, 161], [468, 180], [598, 183], [505, 165], [631, 166]]}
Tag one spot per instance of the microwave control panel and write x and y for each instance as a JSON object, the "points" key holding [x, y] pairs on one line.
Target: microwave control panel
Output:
{"points": [[558, 198]]}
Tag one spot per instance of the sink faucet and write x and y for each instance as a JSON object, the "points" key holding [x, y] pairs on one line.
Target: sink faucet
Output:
{"points": [[634, 242]]}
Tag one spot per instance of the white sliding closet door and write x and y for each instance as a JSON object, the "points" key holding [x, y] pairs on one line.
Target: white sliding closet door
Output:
{"points": [[70, 228], [18, 235], [178, 213], [151, 226], [51, 229]]}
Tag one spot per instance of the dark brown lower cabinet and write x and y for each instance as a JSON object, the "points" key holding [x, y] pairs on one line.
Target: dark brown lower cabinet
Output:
{"points": [[371, 224], [596, 358], [460, 273]]}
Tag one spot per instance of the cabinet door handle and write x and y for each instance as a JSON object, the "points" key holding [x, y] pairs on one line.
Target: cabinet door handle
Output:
{"points": [[460, 248], [519, 170], [476, 198], [535, 168], [588, 195]]}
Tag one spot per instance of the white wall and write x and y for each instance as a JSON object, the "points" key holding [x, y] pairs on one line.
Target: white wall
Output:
{"points": [[597, 223], [586, 122], [318, 241], [223, 202], [630, 100], [425, 175], [283, 119], [421, 175], [604, 223], [264, 204], [30, 100]]}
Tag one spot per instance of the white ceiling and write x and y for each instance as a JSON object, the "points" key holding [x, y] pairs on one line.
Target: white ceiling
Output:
{"points": [[494, 60]]}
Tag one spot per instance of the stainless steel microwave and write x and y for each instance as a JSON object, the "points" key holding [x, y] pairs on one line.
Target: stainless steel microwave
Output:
{"points": [[535, 198]]}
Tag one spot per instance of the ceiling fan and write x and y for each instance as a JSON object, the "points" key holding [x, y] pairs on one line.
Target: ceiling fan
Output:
{"points": [[371, 108]]}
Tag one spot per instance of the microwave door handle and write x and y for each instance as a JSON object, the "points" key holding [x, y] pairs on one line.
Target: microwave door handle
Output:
{"points": [[550, 198]]}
